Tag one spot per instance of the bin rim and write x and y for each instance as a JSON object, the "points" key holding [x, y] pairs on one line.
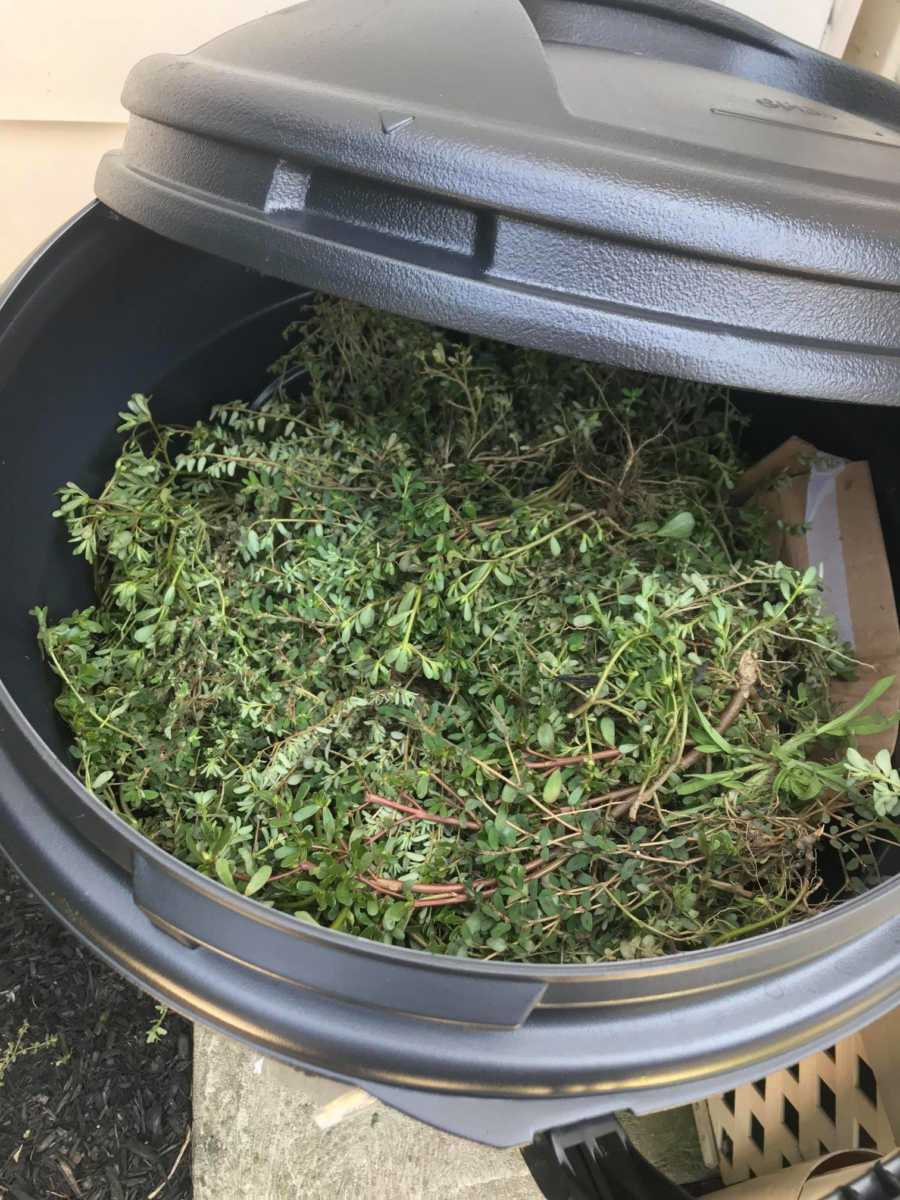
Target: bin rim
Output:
{"points": [[116, 828], [494, 1051]]}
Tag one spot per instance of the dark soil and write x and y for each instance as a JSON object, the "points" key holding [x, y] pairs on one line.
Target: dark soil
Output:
{"points": [[102, 1114]]}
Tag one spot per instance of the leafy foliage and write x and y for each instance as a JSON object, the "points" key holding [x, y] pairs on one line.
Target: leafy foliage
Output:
{"points": [[19, 1048], [465, 649], [157, 1030]]}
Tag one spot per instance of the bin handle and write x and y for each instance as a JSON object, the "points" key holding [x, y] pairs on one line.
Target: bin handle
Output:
{"points": [[704, 34], [321, 961], [692, 17]]}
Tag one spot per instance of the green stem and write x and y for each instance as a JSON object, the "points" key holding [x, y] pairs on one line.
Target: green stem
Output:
{"points": [[412, 618], [744, 930], [544, 538], [103, 722], [768, 624], [601, 682]]}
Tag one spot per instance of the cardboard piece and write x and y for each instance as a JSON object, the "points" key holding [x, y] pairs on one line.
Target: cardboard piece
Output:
{"points": [[835, 503], [806, 1181]]}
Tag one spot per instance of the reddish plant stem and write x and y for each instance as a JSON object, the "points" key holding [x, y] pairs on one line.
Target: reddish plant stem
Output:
{"points": [[420, 813], [482, 886], [387, 829], [442, 901], [395, 887], [299, 869], [490, 888], [378, 885], [551, 764], [599, 801], [439, 895]]}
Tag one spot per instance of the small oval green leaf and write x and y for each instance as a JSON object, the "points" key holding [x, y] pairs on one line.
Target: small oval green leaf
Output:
{"points": [[552, 788], [678, 527], [258, 880], [223, 870]]}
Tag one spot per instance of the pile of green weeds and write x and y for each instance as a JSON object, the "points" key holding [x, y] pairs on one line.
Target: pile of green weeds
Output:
{"points": [[466, 649]]}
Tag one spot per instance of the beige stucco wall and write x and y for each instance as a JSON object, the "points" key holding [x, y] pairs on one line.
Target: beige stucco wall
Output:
{"points": [[67, 62], [61, 72], [62, 67], [47, 169]]}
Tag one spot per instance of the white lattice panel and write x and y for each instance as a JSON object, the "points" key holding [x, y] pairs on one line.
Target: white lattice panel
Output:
{"points": [[831, 1101]]}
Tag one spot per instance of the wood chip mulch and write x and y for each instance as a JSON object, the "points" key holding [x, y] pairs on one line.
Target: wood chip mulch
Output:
{"points": [[101, 1114]]}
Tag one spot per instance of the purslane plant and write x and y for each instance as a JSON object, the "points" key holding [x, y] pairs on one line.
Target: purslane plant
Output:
{"points": [[465, 648]]}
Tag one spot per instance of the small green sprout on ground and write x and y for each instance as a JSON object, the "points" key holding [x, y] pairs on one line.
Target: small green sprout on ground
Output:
{"points": [[157, 1030], [20, 1048], [467, 649]]}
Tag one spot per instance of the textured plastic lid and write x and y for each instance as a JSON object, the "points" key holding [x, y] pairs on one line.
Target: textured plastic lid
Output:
{"points": [[655, 183]]}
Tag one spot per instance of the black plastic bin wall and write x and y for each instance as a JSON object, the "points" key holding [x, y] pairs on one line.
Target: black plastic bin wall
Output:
{"points": [[490, 1050]]}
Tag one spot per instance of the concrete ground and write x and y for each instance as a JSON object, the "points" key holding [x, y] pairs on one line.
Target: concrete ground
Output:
{"points": [[256, 1137]]}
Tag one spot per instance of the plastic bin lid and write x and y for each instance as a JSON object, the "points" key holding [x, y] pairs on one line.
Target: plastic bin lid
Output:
{"points": [[661, 184]]}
